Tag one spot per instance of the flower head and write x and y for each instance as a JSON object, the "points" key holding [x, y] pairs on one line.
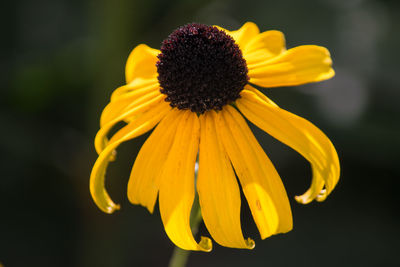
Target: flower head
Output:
{"points": [[194, 92], [201, 68]]}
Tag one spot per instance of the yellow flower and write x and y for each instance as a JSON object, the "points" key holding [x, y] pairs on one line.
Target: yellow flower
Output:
{"points": [[193, 92]]}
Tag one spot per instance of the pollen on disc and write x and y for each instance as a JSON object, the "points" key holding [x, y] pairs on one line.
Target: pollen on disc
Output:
{"points": [[201, 68]]}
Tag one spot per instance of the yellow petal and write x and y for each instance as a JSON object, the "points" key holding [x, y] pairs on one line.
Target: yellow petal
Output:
{"points": [[263, 47], [244, 34], [259, 94], [260, 181], [299, 65], [141, 63], [162, 107], [218, 190], [135, 84], [177, 185], [142, 104], [143, 184], [137, 127], [123, 102], [299, 134]]}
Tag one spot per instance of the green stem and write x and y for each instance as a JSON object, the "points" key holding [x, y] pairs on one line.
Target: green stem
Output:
{"points": [[180, 256]]}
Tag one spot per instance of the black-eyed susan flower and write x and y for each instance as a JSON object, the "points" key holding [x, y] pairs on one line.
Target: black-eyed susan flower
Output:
{"points": [[195, 92]]}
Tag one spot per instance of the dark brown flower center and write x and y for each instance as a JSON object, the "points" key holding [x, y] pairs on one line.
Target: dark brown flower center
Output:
{"points": [[201, 68]]}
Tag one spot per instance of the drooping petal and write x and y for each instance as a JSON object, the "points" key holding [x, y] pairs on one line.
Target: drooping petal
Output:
{"points": [[137, 127], [299, 134], [243, 35], [141, 63], [260, 181], [140, 105], [124, 101], [299, 65], [263, 47], [218, 190], [143, 184], [177, 185]]}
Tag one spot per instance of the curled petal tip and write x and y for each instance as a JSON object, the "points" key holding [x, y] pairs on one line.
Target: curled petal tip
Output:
{"points": [[302, 199], [250, 243], [111, 209], [322, 195], [205, 244]]}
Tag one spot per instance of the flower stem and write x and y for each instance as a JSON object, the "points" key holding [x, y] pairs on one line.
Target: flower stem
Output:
{"points": [[180, 256]]}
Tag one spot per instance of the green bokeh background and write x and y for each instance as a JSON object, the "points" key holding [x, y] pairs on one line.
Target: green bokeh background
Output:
{"points": [[60, 61]]}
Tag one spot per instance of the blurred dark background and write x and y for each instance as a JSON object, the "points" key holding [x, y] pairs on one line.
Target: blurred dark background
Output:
{"points": [[60, 61]]}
